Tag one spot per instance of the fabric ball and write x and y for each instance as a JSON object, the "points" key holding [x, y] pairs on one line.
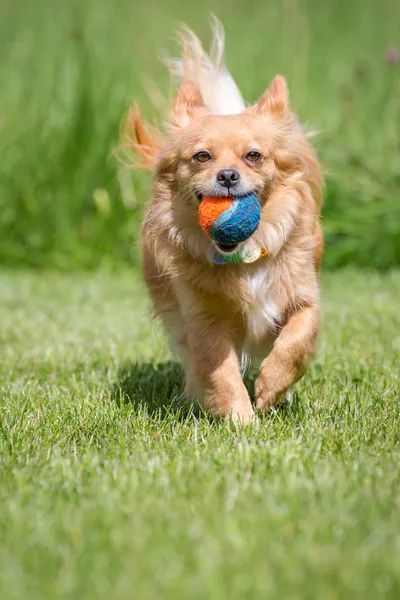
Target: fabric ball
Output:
{"points": [[229, 221]]}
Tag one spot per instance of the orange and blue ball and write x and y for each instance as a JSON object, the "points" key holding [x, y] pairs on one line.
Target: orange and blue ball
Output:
{"points": [[229, 221]]}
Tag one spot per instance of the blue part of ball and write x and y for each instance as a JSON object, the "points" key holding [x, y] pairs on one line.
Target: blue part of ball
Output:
{"points": [[238, 222]]}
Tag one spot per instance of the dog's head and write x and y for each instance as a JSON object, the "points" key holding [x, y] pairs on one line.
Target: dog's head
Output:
{"points": [[228, 155], [259, 150]]}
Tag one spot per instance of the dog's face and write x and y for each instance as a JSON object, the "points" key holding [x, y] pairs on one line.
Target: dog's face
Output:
{"points": [[226, 155], [262, 150]]}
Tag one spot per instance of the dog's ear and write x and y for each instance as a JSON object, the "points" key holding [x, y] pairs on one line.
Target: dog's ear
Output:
{"points": [[275, 100], [188, 105]]}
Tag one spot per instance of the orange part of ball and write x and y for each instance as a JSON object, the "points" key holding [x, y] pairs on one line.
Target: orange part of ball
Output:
{"points": [[210, 209]]}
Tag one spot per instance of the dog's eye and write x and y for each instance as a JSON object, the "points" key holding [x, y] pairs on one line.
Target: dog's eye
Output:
{"points": [[253, 156], [202, 157]]}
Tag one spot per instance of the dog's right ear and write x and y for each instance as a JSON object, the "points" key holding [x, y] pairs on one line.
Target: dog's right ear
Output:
{"points": [[275, 99], [188, 105]]}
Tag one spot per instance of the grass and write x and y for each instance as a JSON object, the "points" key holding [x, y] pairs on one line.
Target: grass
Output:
{"points": [[68, 73], [102, 498]]}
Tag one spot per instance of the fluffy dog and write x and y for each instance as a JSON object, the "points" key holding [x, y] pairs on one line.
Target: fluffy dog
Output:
{"points": [[219, 316]]}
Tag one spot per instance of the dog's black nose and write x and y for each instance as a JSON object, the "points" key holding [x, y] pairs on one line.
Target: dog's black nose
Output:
{"points": [[228, 177]]}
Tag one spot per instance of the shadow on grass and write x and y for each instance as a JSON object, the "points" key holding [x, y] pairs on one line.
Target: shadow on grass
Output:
{"points": [[158, 387]]}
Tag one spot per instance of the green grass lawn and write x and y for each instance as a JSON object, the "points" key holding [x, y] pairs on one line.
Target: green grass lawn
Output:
{"points": [[113, 500]]}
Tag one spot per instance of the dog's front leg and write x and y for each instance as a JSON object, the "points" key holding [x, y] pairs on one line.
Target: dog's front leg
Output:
{"points": [[289, 357], [213, 371], [212, 366]]}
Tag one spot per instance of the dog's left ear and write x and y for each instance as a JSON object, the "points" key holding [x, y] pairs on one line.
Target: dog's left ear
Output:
{"points": [[275, 99], [188, 105]]}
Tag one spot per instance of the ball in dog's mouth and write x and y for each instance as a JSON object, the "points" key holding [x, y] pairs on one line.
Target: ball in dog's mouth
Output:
{"points": [[228, 221]]}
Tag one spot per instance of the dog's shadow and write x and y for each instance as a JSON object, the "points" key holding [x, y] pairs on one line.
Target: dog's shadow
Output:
{"points": [[158, 387]]}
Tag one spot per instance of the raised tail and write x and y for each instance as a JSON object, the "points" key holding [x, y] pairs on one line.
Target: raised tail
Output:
{"points": [[208, 71]]}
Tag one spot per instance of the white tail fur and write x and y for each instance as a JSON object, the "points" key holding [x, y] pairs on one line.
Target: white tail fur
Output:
{"points": [[220, 93]]}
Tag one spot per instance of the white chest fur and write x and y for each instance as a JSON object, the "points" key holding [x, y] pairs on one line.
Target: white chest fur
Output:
{"points": [[262, 315]]}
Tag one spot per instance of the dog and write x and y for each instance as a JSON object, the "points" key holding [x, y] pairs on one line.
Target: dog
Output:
{"points": [[219, 317]]}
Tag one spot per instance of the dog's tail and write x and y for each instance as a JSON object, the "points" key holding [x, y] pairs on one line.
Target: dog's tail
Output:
{"points": [[208, 71]]}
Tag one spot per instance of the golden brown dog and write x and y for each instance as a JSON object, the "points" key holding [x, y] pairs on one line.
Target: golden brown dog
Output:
{"points": [[219, 316]]}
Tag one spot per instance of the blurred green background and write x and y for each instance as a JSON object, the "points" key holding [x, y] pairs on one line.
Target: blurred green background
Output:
{"points": [[68, 73]]}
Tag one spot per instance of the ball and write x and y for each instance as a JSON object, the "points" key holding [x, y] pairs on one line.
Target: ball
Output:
{"points": [[228, 220]]}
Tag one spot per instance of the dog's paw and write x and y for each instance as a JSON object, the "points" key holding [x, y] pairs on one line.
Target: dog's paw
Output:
{"points": [[243, 416], [266, 396], [288, 396]]}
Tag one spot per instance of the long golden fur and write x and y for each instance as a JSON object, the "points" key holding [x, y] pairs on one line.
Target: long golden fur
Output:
{"points": [[218, 316]]}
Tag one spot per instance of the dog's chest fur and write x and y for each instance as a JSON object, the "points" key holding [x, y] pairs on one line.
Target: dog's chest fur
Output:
{"points": [[261, 313]]}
